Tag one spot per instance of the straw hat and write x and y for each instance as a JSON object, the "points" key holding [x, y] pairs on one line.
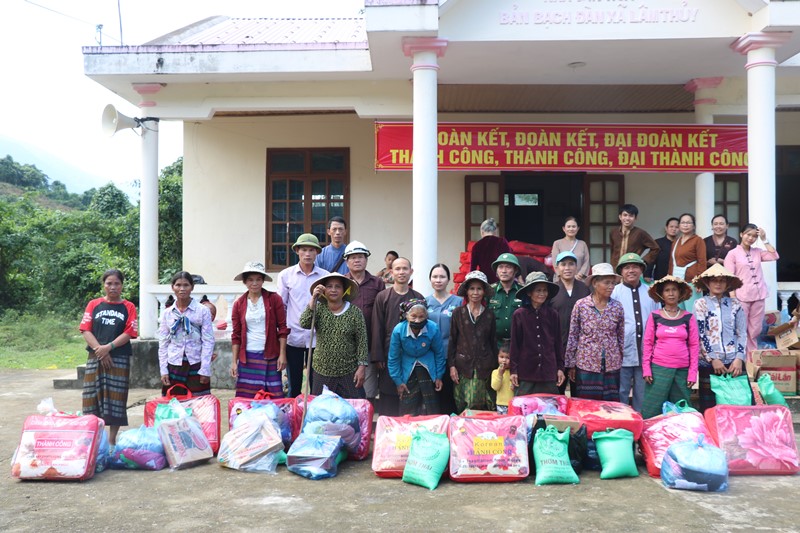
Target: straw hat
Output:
{"points": [[350, 286], [252, 267], [537, 277], [658, 286], [307, 239], [476, 275], [717, 271], [602, 270]]}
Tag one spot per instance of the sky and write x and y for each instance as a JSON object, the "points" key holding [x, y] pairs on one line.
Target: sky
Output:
{"points": [[50, 107]]}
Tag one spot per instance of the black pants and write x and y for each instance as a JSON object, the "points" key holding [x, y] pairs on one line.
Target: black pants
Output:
{"points": [[295, 361]]}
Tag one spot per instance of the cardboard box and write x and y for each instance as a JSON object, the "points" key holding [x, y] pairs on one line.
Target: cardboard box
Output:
{"points": [[783, 371], [785, 336], [757, 355], [563, 422]]}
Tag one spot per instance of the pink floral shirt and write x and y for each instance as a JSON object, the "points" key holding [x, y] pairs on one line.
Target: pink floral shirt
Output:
{"points": [[593, 333]]}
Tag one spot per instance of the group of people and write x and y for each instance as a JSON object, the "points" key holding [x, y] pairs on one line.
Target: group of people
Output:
{"points": [[602, 329]]}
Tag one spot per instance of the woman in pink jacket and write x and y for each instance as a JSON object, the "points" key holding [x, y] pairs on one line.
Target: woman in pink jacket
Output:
{"points": [[745, 262]]}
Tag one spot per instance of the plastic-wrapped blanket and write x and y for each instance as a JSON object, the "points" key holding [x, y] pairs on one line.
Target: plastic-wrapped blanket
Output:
{"points": [[139, 449], [365, 412], [315, 456], [253, 445], [204, 408], [332, 410], [393, 440], [289, 429], [538, 404], [756, 439], [695, 465], [185, 443], [660, 432], [58, 447], [488, 449], [271, 411], [601, 415]]}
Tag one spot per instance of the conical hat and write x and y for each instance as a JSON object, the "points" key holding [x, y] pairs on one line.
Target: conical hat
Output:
{"points": [[717, 271]]}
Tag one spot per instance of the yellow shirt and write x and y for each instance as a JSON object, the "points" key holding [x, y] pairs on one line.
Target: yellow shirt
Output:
{"points": [[502, 384]]}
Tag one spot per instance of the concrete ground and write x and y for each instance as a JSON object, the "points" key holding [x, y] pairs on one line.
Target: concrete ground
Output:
{"points": [[211, 498]]}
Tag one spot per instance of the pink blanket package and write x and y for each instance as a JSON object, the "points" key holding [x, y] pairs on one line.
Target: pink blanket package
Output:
{"points": [[204, 408], [602, 415], [488, 448], [661, 431], [365, 412], [757, 439], [58, 447], [538, 404], [393, 440]]}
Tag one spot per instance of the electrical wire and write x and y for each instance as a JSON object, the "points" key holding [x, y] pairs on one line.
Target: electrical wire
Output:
{"points": [[76, 19]]}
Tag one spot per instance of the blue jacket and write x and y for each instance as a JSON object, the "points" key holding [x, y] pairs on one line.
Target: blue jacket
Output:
{"points": [[405, 351]]}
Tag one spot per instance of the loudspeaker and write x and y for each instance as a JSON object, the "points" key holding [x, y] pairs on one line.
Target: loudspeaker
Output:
{"points": [[113, 121]]}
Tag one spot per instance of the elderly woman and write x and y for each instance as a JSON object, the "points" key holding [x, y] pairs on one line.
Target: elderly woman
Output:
{"points": [[108, 325], [719, 243], [571, 243], [537, 355], [472, 352], [487, 249], [258, 340], [722, 324], [416, 362], [597, 327], [185, 340], [744, 262], [441, 305], [340, 359], [670, 347]]}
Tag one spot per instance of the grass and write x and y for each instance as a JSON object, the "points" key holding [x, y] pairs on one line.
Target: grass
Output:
{"points": [[40, 342]]}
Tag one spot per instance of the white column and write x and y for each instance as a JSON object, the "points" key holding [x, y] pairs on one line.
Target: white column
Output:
{"points": [[704, 182], [148, 231], [425, 167], [761, 63]]}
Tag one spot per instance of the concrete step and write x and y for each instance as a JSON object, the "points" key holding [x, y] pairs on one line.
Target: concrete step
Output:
{"points": [[71, 383]]}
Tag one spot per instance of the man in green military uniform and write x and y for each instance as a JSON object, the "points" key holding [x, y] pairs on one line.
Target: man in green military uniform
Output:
{"points": [[505, 302]]}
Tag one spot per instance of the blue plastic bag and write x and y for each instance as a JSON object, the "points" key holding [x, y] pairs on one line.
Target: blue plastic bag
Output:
{"points": [[329, 407], [102, 453], [139, 449], [274, 413], [315, 456], [681, 406], [695, 465]]}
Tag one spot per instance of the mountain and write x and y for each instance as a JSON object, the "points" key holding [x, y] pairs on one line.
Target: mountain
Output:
{"points": [[74, 178]]}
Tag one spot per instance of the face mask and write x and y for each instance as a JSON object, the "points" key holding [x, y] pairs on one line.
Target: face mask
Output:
{"points": [[416, 326]]}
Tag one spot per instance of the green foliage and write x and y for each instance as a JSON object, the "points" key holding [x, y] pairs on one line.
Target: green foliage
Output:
{"points": [[52, 256], [40, 341], [109, 202], [27, 176]]}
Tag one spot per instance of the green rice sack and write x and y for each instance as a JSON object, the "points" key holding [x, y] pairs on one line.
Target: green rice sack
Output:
{"points": [[615, 448], [551, 455], [427, 458]]}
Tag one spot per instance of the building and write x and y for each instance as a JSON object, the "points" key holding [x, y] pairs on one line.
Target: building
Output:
{"points": [[280, 123]]}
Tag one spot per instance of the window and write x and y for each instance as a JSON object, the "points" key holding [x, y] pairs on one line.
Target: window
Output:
{"points": [[484, 199], [730, 199], [305, 188], [604, 196]]}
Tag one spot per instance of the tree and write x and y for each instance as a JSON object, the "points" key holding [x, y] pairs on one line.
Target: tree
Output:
{"points": [[170, 219], [110, 202], [27, 176]]}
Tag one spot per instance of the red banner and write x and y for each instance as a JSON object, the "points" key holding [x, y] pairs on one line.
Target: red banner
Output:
{"points": [[571, 147]]}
